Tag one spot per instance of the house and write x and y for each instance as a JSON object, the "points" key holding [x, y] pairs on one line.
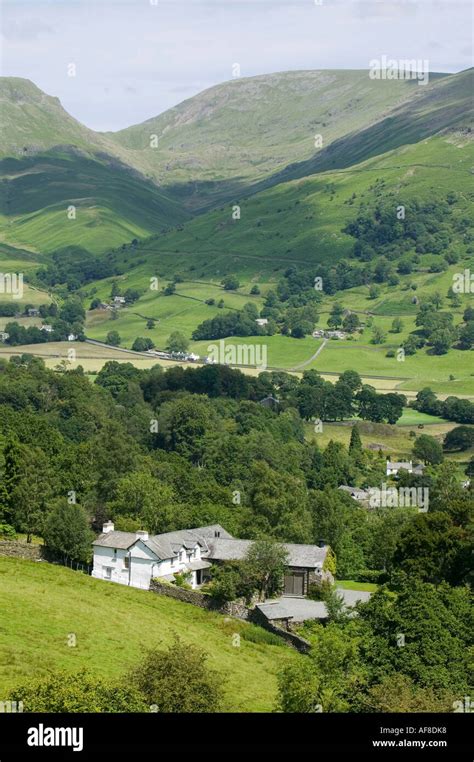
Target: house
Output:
{"points": [[393, 467], [33, 312], [361, 495], [135, 558], [72, 337], [262, 321], [119, 300], [46, 328], [4, 335]]}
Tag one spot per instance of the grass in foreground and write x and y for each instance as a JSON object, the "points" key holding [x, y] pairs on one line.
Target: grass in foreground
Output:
{"points": [[113, 624]]}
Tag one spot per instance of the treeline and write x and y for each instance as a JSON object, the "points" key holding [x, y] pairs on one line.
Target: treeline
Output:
{"points": [[312, 396], [452, 408]]}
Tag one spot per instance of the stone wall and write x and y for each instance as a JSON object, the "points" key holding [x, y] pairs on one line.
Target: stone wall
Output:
{"points": [[291, 638], [196, 598], [16, 549]]}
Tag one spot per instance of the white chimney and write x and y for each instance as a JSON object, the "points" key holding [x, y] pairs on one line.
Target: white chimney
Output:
{"points": [[141, 535], [108, 527]]}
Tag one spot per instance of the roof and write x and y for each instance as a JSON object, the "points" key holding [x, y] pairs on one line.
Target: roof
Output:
{"points": [[196, 565], [307, 556], [163, 545], [296, 609]]}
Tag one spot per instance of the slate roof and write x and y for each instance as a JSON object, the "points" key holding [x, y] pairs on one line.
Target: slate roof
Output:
{"points": [[222, 548], [305, 556], [163, 545]]}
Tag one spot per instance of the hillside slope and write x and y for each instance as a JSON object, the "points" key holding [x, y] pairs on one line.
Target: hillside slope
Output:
{"points": [[229, 136], [113, 624]]}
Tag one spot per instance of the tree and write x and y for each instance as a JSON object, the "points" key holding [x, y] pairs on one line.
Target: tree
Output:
{"points": [[169, 289], [398, 693], [466, 335], [351, 322], [374, 291], [397, 325], [142, 344], [441, 340], [30, 486], [178, 680], [113, 338], [335, 317], [355, 444], [265, 563], [67, 532], [150, 323], [378, 335], [177, 342], [255, 290], [230, 283], [77, 692], [459, 438], [428, 449], [432, 548]]}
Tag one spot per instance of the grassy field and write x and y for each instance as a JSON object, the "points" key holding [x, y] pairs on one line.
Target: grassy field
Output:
{"points": [[394, 441], [113, 624]]}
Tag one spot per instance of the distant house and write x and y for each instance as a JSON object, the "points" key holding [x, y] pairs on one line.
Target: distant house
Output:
{"points": [[361, 495], [262, 321], [4, 335], [393, 467], [119, 300], [72, 337], [320, 333], [192, 357], [33, 312], [135, 558], [46, 328]]}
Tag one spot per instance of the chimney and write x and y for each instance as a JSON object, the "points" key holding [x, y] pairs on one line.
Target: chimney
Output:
{"points": [[321, 543], [108, 527], [141, 535], [217, 533]]}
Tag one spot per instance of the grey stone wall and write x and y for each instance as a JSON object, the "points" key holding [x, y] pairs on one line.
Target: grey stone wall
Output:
{"points": [[16, 549], [234, 608]]}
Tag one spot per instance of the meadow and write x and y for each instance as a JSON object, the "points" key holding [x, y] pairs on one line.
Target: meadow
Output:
{"points": [[113, 626]]}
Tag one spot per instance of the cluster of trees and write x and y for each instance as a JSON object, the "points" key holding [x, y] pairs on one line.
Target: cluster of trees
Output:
{"points": [[68, 319], [452, 408], [234, 323], [316, 398], [74, 267], [407, 651]]}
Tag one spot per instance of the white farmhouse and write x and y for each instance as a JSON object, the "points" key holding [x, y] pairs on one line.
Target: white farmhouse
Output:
{"points": [[135, 558], [393, 467]]}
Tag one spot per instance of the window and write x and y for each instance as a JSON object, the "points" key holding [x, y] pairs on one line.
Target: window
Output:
{"points": [[107, 572], [172, 562], [115, 554], [126, 562]]}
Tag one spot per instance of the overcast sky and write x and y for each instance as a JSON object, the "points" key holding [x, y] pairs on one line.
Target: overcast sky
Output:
{"points": [[136, 58]]}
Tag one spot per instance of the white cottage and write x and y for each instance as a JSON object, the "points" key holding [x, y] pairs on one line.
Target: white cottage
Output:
{"points": [[135, 558]]}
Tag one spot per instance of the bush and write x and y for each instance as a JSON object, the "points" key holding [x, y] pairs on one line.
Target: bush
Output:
{"points": [[178, 680], [6, 530]]}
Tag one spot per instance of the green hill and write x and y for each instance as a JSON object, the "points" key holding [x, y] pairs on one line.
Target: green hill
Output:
{"points": [[214, 145], [113, 203], [301, 222], [113, 624]]}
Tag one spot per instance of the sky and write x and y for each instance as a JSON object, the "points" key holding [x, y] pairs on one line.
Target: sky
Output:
{"points": [[134, 59]]}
